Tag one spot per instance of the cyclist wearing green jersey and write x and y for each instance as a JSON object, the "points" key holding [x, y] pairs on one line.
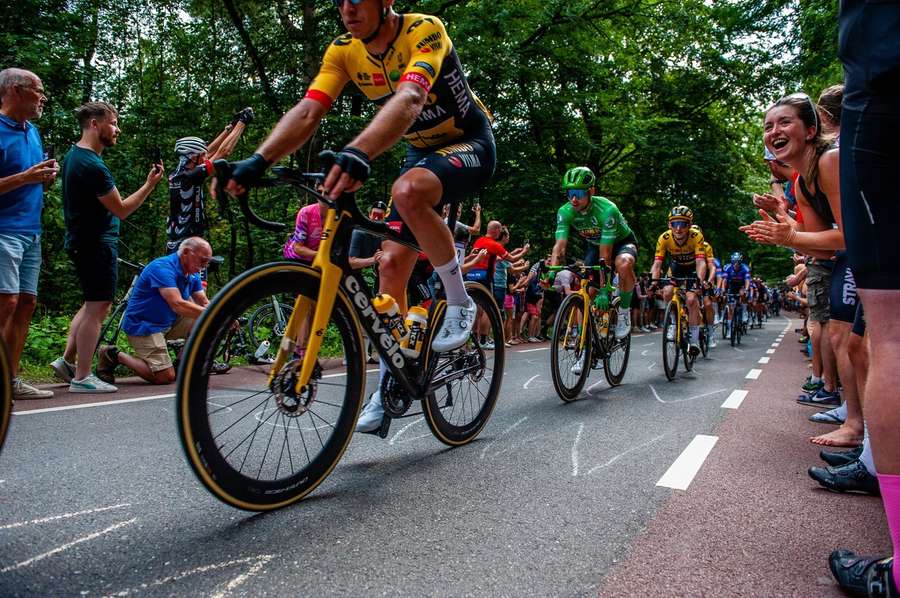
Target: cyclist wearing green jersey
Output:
{"points": [[600, 223]]}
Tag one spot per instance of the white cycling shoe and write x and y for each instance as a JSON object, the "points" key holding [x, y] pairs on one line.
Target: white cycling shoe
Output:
{"points": [[459, 321], [370, 419], [623, 323], [578, 367]]}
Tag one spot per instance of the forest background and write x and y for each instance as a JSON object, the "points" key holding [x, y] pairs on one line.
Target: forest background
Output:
{"points": [[662, 99]]}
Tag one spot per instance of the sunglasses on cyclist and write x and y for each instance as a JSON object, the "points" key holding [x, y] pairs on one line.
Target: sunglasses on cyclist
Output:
{"points": [[339, 3], [679, 224], [576, 193]]}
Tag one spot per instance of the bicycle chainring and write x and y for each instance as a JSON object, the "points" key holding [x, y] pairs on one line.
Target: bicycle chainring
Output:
{"points": [[394, 398]]}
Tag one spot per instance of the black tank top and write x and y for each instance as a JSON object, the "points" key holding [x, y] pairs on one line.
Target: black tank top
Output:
{"points": [[818, 201]]}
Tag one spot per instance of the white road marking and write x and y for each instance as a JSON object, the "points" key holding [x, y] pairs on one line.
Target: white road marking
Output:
{"points": [[681, 473], [631, 450], [775, 345], [753, 374], [595, 385], [735, 399], [650, 367], [575, 449], [64, 516], [648, 344], [644, 352], [700, 396], [404, 429], [502, 434], [770, 351], [530, 380], [532, 350], [66, 546], [101, 404], [764, 360], [345, 373], [259, 562]]}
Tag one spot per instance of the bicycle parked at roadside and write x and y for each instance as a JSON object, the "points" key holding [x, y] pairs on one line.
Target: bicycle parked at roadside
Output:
{"points": [[275, 435], [583, 334], [675, 328]]}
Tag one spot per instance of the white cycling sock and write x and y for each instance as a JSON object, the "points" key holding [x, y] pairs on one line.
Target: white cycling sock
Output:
{"points": [[695, 334], [454, 287]]}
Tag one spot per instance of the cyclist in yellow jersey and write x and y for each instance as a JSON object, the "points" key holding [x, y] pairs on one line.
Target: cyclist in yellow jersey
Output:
{"points": [[407, 64], [684, 247]]}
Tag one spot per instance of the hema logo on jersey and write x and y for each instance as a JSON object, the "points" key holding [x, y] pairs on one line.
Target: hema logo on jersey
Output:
{"points": [[352, 285]]}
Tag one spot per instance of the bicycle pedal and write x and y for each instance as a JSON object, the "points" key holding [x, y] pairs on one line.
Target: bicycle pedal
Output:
{"points": [[385, 426]]}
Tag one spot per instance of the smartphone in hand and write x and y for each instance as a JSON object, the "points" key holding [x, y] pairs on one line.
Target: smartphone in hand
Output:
{"points": [[157, 158], [49, 152]]}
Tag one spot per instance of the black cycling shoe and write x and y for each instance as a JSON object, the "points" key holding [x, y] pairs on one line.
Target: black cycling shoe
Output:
{"points": [[862, 575], [838, 458], [852, 477]]}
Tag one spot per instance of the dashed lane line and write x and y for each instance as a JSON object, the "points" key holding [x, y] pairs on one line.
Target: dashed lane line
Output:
{"points": [[753, 374], [770, 351], [64, 516], [532, 350], [681, 473], [735, 399], [764, 360]]}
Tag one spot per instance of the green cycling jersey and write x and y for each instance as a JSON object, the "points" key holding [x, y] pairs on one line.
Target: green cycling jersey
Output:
{"points": [[601, 224]]}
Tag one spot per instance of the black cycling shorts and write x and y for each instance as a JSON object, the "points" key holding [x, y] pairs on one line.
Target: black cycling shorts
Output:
{"points": [[628, 246], [869, 205], [463, 167], [843, 298]]}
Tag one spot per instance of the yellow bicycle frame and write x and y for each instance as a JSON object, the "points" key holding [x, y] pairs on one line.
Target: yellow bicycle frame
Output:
{"points": [[585, 301]]}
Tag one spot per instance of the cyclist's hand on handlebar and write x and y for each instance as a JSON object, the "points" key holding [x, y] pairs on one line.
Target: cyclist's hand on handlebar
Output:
{"points": [[347, 170], [246, 173]]}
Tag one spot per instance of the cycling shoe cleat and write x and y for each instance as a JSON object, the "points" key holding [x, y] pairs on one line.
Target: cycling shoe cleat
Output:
{"points": [[457, 326]]}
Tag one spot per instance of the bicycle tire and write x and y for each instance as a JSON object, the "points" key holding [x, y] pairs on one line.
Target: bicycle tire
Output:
{"points": [[685, 346], [615, 362], [439, 408], [206, 428], [670, 348], [704, 338], [6, 393], [566, 388], [109, 333]]}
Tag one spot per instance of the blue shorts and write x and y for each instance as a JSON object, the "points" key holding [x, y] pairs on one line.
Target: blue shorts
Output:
{"points": [[20, 263]]}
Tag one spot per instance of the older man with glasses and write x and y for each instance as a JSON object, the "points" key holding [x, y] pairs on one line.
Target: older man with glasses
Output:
{"points": [[24, 176]]}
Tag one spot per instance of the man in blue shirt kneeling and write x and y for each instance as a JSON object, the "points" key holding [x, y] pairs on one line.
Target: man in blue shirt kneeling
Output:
{"points": [[166, 300]]}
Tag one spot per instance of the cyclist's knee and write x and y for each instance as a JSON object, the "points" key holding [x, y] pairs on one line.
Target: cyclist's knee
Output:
{"points": [[416, 190]]}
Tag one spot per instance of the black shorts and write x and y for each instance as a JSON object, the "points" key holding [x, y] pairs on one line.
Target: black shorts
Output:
{"points": [[97, 269], [628, 245], [463, 167], [843, 297], [869, 206]]}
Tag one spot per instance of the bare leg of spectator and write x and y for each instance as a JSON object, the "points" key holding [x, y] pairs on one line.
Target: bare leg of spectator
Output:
{"points": [[88, 334], [851, 431], [15, 313]]}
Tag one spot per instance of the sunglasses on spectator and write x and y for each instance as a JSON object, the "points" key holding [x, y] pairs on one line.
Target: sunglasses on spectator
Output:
{"points": [[576, 193], [679, 224]]}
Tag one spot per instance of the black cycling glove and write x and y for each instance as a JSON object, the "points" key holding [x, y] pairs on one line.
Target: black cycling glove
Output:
{"points": [[350, 160], [247, 172]]}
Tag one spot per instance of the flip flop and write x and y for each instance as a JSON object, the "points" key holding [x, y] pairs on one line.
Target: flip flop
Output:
{"points": [[826, 417]]}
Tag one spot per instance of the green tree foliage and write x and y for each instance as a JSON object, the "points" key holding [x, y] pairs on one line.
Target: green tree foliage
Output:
{"points": [[662, 98]]}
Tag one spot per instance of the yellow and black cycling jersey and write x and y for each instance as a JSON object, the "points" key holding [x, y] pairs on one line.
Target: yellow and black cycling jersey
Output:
{"points": [[421, 54], [684, 256]]}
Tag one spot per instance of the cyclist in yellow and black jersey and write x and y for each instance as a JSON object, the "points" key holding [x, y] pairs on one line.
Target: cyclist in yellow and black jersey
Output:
{"points": [[684, 247], [408, 65]]}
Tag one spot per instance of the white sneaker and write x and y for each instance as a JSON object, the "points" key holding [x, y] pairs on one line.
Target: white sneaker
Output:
{"points": [[623, 323], [63, 370], [91, 384], [457, 326], [488, 345], [370, 419], [579, 366], [23, 391]]}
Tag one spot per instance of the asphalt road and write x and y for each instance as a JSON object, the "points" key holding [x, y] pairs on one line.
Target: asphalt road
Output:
{"points": [[100, 501]]}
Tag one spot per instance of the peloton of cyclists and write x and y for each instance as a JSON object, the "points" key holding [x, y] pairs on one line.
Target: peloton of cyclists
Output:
{"points": [[684, 247], [599, 222]]}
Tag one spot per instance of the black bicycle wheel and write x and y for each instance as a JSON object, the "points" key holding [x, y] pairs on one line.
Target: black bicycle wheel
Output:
{"points": [[686, 355], [466, 382], [253, 448], [704, 338], [616, 361], [266, 327], [670, 342], [109, 332], [566, 356], [6, 393]]}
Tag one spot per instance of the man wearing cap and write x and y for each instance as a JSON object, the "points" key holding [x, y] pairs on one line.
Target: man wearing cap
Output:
{"points": [[187, 214]]}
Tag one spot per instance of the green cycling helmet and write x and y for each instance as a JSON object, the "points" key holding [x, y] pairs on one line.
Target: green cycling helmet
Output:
{"points": [[579, 177]]}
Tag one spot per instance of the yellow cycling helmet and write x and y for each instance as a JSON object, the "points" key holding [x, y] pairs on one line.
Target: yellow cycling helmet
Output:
{"points": [[681, 213]]}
